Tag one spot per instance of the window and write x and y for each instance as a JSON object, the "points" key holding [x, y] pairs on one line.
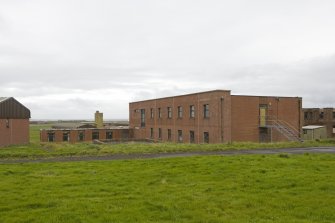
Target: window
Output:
{"points": [[333, 115], [66, 136], [169, 134], [51, 136], [109, 135], [306, 115], [95, 135], [142, 117], [169, 109], [180, 111], [333, 129], [191, 136], [321, 115], [206, 111], [151, 133], [160, 133], [206, 137], [180, 136], [192, 111], [81, 136], [151, 113], [305, 131], [159, 113]]}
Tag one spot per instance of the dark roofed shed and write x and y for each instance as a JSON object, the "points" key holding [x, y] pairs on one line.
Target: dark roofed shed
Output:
{"points": [[11, 108]]}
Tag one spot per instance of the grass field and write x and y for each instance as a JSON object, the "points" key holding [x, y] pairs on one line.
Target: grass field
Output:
{"points": [[244, 188], [40, 150], [249, 188]]}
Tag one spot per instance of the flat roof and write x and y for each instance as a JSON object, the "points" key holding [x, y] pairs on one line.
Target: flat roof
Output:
{"points": [[318, 108], [205, 92], [83, 129], [182, 95], [312, 127]]}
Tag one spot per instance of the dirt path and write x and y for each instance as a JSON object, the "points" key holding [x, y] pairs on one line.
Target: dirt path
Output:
{"points": [[176, 154]]}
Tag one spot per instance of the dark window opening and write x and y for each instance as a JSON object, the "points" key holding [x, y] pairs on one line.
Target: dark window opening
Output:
{"points": [[95, 135], [142, 117], [151, 133], [66, 136], [264, 135], [305, 131], [169, 134], [311, 116], [160, 133], [206, 137], [109, 135], [306, 115], [81, 136], [180, 136], [333, 115], [51, 137], [321, 115], [191, 136]]}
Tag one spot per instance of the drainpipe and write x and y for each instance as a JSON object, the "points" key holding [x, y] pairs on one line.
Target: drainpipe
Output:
{"points": [[198, 114], [11, 130], [173, 131], [222, 116]]}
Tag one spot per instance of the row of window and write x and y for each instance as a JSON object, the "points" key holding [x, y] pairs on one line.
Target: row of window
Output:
{"points": [[179, 113], [80, 136], [310, 116], [179, 135]]}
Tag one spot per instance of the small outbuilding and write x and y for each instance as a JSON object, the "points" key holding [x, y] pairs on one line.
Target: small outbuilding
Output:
{"points": [[14, 122], [313, 132]]}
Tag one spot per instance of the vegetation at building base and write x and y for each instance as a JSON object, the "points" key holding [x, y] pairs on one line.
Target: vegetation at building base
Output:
{"points": [[45, 150], [246, 188]]}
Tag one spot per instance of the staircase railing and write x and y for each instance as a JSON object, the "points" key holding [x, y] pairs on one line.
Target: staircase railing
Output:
{"points": [[284, 128]]}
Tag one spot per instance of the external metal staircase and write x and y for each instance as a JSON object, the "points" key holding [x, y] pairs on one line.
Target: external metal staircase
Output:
{"points": [[285, 129]]}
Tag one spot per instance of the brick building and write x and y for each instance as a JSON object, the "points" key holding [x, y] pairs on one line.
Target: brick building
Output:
{"points": [[321, 116], [14, 122], [216, 117], [85, 134]]}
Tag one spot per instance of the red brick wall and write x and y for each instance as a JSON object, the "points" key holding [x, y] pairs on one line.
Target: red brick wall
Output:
{"points": [[233, 118], [313, 118], [245, 116], [17, 133], [118, 134], [216, 124]]}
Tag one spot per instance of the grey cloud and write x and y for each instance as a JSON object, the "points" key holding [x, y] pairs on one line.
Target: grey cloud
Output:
{"points": [[56, 54]]}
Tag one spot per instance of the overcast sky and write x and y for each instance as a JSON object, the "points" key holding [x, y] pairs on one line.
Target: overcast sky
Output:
{"points": [[65, 59]]}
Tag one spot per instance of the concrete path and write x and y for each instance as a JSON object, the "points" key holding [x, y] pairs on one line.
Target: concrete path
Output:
{"points": [[330, 150]]}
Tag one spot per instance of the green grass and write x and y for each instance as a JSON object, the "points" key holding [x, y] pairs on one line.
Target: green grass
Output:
{"points": [[43, 150], [249, 188]]}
